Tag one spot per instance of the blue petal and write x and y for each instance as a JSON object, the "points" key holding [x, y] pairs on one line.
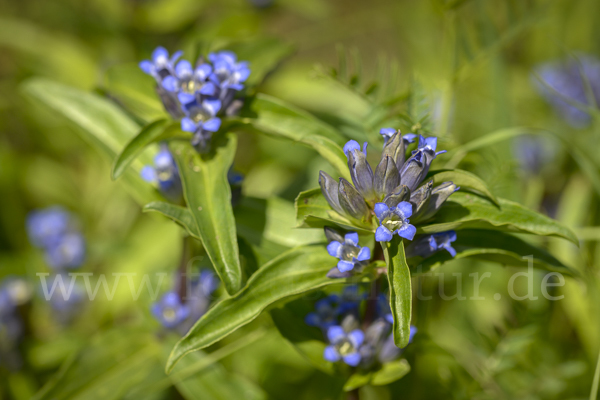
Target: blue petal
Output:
{"points": [[176, 56], [352, 359], [441, 152], [171, 299], [186, 98], [160, 52], [170, 83], [389, 318], [352, 237], [413, 332], [364, 254], [212, 106], [148, 174], [407, 231], [212, 125], [244, 73], [451, 236], [236, 86], [431, 142], [405, 208], [450, 249], [364, 149], [183, 69], [163, 159], [357, 337], [383, 234], [334, 333], [380, 209], [422, 142], [387, 131], [334, 248], [351, 146], [147, 67], [312, 319], [188, 125], [208, 89], [409, 137], [203, 71], [331, 354], [345, 266]]}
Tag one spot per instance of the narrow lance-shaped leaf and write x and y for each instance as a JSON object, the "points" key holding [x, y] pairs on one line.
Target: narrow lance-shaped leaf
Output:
{"points": [[464, 210], [181, 215], [400, 289], [296, 271], [208, 196], [102, 124], [275, 117]]}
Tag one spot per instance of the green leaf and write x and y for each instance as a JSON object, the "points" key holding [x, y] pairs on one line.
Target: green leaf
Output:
{"points": [[296, 271], [208, 196], [466, 180], [276, 118], [313, 211], [465, 210], [149, 134], [497, 247], [181, 215], [400, 289], [390, 372], [102, 124]]}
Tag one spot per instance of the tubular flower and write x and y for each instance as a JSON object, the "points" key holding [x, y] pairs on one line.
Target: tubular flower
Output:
{"points": [[197, 95], [164, 174], [427, 245], [348, 251], [344, 345], [394, 191]]}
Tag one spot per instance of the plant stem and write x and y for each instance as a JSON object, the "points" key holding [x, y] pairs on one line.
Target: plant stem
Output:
{"points": [[182, 284]]}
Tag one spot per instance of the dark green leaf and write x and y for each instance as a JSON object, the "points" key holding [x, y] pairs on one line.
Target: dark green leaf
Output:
{"points": [[101, 124], [149, 134], [181, 215], [497, 247], [400, 289], [208, 196], [313, 211], [297, 271], [467, 181], [464, 210], [275, 117]]}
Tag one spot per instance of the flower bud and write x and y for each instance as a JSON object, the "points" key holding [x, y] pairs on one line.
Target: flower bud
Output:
{"points": [[387, 177], [398, 195], [438, 196], [361, 173], [419, 197], [329, 188], [394, 148], [351, 201]]}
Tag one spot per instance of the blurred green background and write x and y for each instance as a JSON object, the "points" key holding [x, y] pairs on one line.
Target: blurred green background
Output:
{"points": [[473, 62]]}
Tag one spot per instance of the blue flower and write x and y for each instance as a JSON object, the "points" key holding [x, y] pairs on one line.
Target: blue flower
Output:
{"points": [[202, 122], [68, 252], [349, 252], [387, 134], [563, 82], [161, 65], [394, 220], [427, 245], [344, 346], [189, 81], [164, 173], [229, 73], [170, 311], [325, 314], [46, 227]]}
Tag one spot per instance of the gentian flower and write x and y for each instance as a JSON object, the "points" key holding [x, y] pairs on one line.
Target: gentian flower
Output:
{"points": [[394, 220], [395, 184], [325, 314], [170, 310], [563, 79], [164, 174], [348, 251], [53, 230], [161, 65], [427, 245], [201, 122], [189, 81], [344, 345]]}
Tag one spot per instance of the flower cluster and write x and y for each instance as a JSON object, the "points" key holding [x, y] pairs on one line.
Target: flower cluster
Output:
{"points": [[563, 83], [394, 192], [198, 94], [180, 309], [54, 230], [350, 339], [164, 173]]}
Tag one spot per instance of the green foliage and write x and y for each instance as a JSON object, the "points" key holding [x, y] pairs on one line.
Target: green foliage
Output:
{"points": [[400, 289]]}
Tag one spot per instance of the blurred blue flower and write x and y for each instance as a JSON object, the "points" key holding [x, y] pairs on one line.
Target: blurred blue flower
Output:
{"points": [[394, 220], [344, 345], [325, 314], [563, 80], [164, 174], [228, 72], [161, 65], [170, 310], [383, 308], [65, 296], [427, 245], [348, 252], [387, 134], [52, 229], [201, 292]]}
